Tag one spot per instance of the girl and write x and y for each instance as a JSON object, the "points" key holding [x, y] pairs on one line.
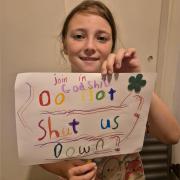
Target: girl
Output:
{"points": [[89, 38]]}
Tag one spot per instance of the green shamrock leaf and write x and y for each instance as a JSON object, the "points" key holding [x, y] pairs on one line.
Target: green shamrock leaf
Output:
{"points": [[136, 83]]}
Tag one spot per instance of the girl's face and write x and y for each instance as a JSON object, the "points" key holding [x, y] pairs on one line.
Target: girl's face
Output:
{"points": [[88, 42]]}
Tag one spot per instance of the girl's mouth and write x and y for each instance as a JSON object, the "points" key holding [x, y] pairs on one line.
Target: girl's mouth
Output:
{"points": [[89, 58]]}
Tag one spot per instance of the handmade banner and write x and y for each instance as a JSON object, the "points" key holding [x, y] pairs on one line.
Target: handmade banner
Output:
{"points": [[80, 115]]}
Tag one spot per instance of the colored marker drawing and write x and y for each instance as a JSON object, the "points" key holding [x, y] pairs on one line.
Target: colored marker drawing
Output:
{"points": [[66, 115]]}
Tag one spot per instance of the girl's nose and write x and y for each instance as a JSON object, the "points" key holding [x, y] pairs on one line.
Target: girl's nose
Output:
{"points": [[90, 47]]}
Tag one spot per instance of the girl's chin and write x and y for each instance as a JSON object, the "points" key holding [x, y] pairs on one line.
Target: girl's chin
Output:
{"points": [[86, 66], [87, 69], [91, 69]]}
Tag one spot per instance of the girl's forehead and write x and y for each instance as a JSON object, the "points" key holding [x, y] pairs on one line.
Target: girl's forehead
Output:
{"points": [[87, 20]]}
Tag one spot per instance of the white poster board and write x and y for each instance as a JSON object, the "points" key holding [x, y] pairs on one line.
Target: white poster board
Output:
{"points": [[80, 115]]}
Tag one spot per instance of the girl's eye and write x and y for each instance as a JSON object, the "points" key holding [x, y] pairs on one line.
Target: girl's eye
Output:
{"points": [[78, 36], [102, 39]]}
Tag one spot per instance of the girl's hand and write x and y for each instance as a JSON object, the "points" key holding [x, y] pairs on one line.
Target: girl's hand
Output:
{"points": [[125, 60], [72, 169], [82, 172]]}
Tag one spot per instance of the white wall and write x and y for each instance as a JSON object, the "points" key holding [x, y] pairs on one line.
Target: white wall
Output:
{"points": [[29, 44], [174, 53], [169, 61], [168, 53], [176, 104], [1, 14]]}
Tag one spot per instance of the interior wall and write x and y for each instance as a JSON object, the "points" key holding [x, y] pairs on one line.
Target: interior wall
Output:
{"points": [[1, 14], [30, 44], [175, 54], [176, 105], [168, 53], [168, 64]]}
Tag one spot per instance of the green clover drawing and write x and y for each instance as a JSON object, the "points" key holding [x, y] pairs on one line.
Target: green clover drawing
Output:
{"points": [[136, 83]]}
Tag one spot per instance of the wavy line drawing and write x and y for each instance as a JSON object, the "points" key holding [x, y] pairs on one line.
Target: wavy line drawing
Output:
{"points": [[90, 111], [85, 112], [86, 155], [141, 101], [95, 152], [25, 105], [103, 151], [107, 135], [84, 137], [136, 115], [134, 125], [93, 138]]}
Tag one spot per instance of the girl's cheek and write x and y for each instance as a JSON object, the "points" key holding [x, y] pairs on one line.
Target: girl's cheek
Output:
{"points": [[106, 52], [107, 48], [75, 46], [72, 49]]}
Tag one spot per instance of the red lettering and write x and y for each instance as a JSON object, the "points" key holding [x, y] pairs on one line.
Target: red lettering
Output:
{"points": [[44, 130], [52, 131], [41, 99]]}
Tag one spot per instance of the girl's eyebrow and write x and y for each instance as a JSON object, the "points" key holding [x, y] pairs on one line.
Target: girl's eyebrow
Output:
{"points": [[78, 29], [103, 32], [98, 31]]}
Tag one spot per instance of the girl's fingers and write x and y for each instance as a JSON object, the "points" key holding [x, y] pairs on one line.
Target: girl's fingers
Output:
{"points": [[110, 63], [130, 53], [119, 57], [104, 68], [129, 60], [81, 170], [89, 175], [123, 55], [134, 62], [125, 60]]}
